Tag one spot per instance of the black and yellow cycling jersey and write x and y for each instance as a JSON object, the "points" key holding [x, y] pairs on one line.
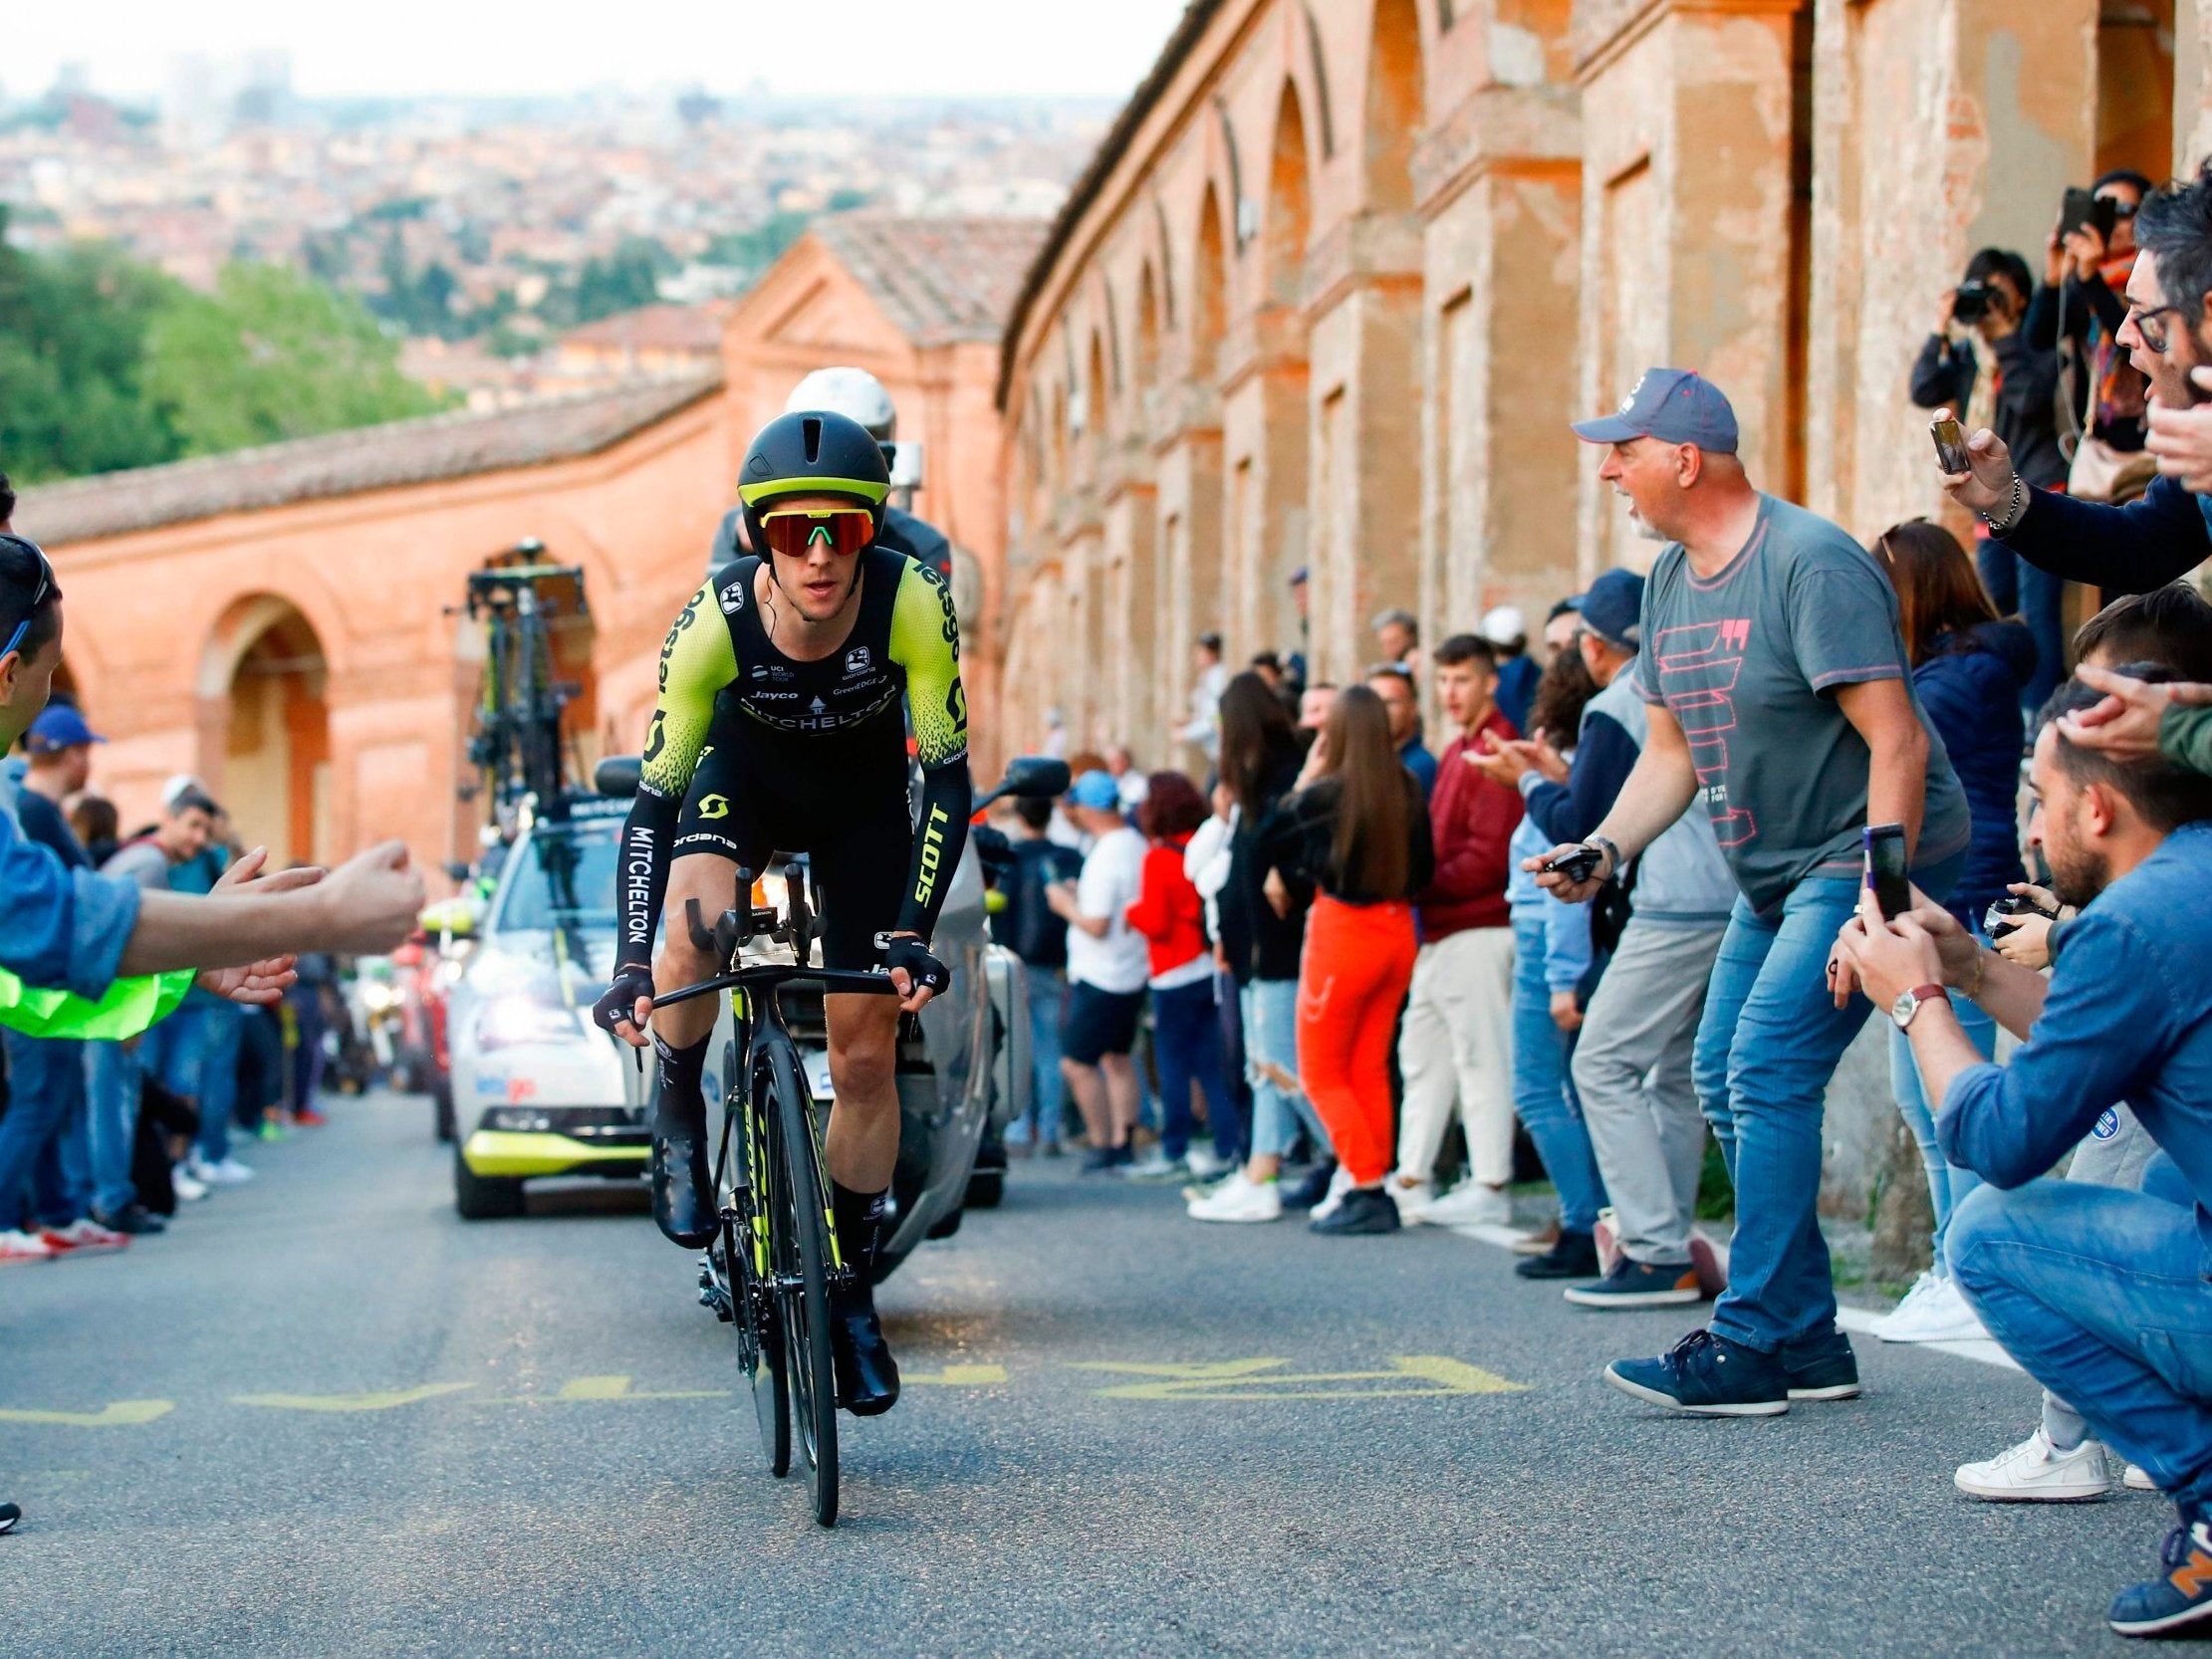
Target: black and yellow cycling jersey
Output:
{"points": [[751, 752]]}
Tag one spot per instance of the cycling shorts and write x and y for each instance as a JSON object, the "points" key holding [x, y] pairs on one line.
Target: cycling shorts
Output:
{"points": [[860, 849]]}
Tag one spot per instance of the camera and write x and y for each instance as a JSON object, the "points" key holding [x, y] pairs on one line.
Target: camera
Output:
{"points": [[1970, 302], [1578, 866], [1994, 924]]}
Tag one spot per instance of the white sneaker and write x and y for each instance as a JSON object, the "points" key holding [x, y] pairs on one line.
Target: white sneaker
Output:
{"points": [[2138, 1479], [85, 1233], [1605, 1235], [1339, 1183], [229, 1173], [1933, 1311], [1155, 1165], [188, 1187], [1206, 1165], [2036, 1472], [17, 1248], [1238, 1199], [1471, 1203], [1412, 1199]]}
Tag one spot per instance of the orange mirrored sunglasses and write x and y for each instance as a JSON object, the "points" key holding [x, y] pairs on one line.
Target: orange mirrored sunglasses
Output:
{"points": [[793, 531]]}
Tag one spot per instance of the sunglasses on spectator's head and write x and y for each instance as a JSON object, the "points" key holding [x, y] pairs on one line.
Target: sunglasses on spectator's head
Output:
{"points": [[795, 531], [43, 586]]}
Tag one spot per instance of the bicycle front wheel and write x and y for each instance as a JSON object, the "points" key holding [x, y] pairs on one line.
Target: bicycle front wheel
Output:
{"points": [[800, 1235], [748, 1277]]}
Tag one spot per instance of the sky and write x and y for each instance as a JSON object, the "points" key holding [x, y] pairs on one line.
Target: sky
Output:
{"points": [[834, 48]]}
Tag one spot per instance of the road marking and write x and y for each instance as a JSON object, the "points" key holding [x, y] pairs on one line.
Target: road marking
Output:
{"points": [[382, 1400], [958, 1377], [587, 1390], [116, 1414], [1258, 1379]]}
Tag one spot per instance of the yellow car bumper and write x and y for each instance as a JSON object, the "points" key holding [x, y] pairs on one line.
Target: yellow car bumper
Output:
{"points": [[513, 1154]]}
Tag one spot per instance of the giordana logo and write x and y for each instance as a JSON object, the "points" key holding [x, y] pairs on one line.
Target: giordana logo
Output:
{"points": [[732, 599], [857, 660]]}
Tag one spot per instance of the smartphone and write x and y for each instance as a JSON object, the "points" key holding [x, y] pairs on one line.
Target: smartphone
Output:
{"points": [[1884, 847], [1950, 445], [1578, 866], [2085, 211]]}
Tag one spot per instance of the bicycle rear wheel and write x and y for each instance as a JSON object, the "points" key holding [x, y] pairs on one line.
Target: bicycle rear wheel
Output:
{"points": [[749, 1279], [801, 1248]]}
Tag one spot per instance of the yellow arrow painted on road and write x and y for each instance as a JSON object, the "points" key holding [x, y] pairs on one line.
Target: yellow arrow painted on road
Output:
{"points": [[380, 1401], [958, 1377], [1258, 1379], [586, 1390], [116, 1414]]}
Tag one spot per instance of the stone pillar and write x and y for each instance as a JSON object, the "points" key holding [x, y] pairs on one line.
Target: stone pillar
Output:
{"points": [[1132, 641], [1265, 484], [1939, 126], [1365, 468], [1688, 224], [1189, 473]]}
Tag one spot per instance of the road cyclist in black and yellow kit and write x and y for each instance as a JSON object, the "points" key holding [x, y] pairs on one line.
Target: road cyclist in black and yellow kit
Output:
{"points": [[786, 687]]}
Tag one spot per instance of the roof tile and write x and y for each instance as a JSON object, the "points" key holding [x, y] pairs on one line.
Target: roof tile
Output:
{"points": [[940, 280]]}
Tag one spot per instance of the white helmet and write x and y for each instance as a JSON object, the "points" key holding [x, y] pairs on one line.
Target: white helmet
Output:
{"points": [[852, 393]]}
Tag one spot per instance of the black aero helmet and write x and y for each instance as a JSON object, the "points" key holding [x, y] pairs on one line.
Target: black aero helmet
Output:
{"points": [[812, 452]]}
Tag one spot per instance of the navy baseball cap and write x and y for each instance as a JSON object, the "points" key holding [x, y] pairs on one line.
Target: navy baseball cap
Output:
{"points": [[1675, 406], [1613, 609], [59, 727]]}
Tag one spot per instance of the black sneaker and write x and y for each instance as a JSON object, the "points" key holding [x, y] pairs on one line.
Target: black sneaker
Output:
{"points": [[1707, 1376], [1821, 1367], [1633, 1283], [135, 1219], [1573, 1255], [1101, 1158], [1312, 1187], [1363, 1210], [9, 1516]]}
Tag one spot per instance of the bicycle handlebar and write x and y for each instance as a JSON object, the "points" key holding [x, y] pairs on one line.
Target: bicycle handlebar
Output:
{"points": [[767, 975]]}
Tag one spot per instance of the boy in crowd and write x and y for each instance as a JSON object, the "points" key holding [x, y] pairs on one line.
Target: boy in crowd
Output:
{"points": [[1108, 967]]}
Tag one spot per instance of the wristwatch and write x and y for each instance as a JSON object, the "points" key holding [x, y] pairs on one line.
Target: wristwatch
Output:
{"points": [[1913, 1001], [1612, 853]]}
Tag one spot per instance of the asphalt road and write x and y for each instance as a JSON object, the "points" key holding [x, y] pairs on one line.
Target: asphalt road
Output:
{"points": [[325, 1416]]}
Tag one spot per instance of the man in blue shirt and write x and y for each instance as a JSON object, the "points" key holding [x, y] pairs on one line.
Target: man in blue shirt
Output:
{"points": [[1394, 686], [2103, 1295]]}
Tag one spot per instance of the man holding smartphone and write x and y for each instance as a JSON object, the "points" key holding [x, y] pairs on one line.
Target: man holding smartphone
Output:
{"points": [[2167, 333], [1777, 690]]}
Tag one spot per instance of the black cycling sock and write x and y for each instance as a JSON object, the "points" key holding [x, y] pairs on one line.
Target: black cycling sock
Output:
{"points": [[860, 1218], [679, 1091]]}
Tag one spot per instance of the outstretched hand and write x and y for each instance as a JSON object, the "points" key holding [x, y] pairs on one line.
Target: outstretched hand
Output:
{"points": [[257, 985], [2125, 724]]}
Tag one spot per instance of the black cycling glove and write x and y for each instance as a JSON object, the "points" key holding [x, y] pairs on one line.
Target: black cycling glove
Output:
{"points": [[911, 953], [619, 1001]]}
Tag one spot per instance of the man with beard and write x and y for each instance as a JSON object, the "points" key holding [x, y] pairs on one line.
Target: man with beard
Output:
{"points": [[1777, 690], [2100, 1294]]}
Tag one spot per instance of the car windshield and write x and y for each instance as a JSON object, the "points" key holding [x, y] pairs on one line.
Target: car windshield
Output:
{"points": [[557, 880]]}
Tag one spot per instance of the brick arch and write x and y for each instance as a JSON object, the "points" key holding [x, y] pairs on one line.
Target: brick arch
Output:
{"points": [[1286, 228], [1208, 313], [244, 616], [1392, 104]]}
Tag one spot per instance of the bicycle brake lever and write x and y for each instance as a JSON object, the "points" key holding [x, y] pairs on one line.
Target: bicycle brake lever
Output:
{"points": [[700, 936]]}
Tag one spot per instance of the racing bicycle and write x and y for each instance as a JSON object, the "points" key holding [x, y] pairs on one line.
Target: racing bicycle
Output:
{"points": [[775, 1268]]}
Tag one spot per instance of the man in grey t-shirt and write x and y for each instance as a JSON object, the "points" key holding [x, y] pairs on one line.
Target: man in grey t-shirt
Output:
{"points": [[1779, 691]]}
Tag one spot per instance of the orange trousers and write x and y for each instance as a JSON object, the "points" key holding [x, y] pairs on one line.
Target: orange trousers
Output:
{"points": [[1352, 982]]}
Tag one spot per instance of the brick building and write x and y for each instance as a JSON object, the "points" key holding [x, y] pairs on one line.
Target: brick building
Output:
{"points": [[277, 620], [1343, 270]]}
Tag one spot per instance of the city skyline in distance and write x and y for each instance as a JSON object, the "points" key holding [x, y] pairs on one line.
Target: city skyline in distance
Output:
{"points": [[853, 50]]}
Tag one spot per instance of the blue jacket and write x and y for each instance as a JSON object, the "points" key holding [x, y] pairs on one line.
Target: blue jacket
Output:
{"points": [[66, 928], [1969, 688], [1516, 693], [2128, 1018]]}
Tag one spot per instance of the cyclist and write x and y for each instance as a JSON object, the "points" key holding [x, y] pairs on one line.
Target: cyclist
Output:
{"points": [[778, 727], [858, 397]]}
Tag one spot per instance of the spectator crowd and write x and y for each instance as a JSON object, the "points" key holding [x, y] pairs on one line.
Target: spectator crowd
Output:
{"points": [[1630, 900]]}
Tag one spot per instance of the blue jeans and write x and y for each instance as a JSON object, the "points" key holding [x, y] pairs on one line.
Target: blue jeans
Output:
{"points": [[170, 1051], [1187, 1032], [1048, 999], [1270, 1008], [63, 1177], [2014, 585], [1948, 1185], [1543, 1097], [111, 1074], [2100, 1293], [46, 1092], [223, 1033], [1767, 1046]]}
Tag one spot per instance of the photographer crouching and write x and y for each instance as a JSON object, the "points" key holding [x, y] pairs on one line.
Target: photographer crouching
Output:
{"points": [[2099, 1293]]}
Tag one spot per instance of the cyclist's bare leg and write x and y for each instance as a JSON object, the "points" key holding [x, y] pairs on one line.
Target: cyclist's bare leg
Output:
{"points": [[711, 879], [862, 1141]]}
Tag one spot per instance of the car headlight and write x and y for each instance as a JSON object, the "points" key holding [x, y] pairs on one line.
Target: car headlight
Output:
{"points": [[519, 1120], [378, 997], [510, 1020]]}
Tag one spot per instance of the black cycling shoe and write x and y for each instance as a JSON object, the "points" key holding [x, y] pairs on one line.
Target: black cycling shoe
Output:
{"points": [[683, 1190], [1574, 1256], [867, 1375]]}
